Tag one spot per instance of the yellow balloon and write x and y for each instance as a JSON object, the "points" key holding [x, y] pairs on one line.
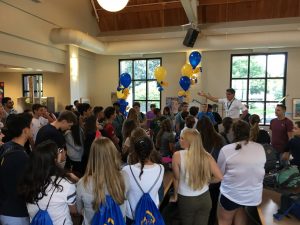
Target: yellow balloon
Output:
{"points": [[120, 94], [126, 91], [187, 70], [181, 93], [192, 81], [160, 73], [164, 83], [187, 96], [197, 70]]}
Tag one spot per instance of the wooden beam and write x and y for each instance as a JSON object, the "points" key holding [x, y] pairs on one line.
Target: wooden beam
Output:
{"points": [[222, 2], [148, 7]]}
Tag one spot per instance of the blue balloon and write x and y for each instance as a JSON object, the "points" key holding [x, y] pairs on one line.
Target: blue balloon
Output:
{"points": [[185, 83], [123, 106], [195, 59], [160, 88], [125, 80]]}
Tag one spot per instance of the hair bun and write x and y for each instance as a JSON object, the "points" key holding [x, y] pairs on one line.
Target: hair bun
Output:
{"points": [[143, 142]]}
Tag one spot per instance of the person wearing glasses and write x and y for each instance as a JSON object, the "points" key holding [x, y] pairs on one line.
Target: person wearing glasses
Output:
{"points": [[46, 185], [231, 105]]}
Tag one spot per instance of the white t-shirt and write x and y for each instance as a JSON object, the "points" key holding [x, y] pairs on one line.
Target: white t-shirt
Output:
{"points": [[244, 172], [183, 187], [233, 107], [150, 174], [58, 207], [37, 124]]}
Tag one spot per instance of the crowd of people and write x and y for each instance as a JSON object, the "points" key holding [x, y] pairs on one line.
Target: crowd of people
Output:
{"points": [[67, 164]]}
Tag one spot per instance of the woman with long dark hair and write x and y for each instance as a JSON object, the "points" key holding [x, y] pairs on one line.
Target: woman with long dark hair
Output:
{"points": [[168, 114], [212, 142], [242, 164], [128, 127], [45, 185], [90, 128], [227, 132], [75, 147], [165, 138]]}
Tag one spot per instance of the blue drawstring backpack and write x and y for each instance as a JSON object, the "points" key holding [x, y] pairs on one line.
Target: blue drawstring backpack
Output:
{"points": [[42, 217], [108, 213], [146, 211]]}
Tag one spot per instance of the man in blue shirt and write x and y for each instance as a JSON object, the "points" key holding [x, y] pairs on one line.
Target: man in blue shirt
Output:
{"points": [[204, 112]]}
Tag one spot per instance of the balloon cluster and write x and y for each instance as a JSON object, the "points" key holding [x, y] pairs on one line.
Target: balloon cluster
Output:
{"points": [[160, 74], [188, 72], [123, 91]]}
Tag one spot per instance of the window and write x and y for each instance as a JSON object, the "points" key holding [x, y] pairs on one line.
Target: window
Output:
{"points": [[259, 81], [37, 85], [143, 86]]}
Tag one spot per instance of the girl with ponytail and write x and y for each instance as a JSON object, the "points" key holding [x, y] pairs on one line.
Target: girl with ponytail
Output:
{"points": [[145, 173], [242, 164], [256, 134]]}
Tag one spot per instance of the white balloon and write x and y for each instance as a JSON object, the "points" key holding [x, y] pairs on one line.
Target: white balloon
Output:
{"points": [[112, 5]]}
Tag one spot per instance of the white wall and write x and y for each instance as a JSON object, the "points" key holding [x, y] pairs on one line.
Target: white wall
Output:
{"points": [[28, 45]]}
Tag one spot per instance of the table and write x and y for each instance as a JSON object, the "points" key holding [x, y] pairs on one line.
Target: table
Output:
{"points": [[269, 206]]}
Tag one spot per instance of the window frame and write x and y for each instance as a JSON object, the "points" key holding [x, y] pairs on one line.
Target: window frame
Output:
{"points": [[265, 78], [35, 92], [143, 80]]}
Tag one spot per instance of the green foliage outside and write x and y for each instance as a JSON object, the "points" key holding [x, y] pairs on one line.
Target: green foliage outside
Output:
{"points": [[143, 73], [257, 84]]}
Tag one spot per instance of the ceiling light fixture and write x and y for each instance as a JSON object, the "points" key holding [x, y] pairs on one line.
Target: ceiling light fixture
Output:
{"points": [[113, 5]]}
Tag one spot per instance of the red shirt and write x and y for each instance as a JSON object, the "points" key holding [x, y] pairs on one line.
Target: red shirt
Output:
{"points": [[280, 129], [109, 130]]}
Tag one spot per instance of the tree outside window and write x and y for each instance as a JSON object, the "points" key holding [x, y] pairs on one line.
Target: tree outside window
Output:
{"points": [[143, 87], [259, 81]]}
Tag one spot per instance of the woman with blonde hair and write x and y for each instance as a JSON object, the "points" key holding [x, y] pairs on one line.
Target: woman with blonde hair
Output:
{"points": [[102, 177], [194, 168]]}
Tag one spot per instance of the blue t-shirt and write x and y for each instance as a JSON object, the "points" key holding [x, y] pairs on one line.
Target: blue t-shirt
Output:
{"points": [[209, 115]]}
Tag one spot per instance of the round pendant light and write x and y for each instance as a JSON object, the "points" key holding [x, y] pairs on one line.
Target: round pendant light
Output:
{"points": [[113, 5]]}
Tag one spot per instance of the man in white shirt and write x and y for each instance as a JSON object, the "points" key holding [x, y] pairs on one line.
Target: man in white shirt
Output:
{"points": [[232, 105], [37, 120]]}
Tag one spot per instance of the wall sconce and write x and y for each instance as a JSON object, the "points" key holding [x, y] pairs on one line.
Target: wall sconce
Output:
{"points": [[112, 5]]}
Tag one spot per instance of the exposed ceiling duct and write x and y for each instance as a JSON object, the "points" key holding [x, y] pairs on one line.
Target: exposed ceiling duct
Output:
{"points": [[190, 8], [165, 45], [78, 38], [208, 43]]}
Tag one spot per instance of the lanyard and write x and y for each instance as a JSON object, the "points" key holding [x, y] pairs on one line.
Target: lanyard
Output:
{"points": [[228, 106]]}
